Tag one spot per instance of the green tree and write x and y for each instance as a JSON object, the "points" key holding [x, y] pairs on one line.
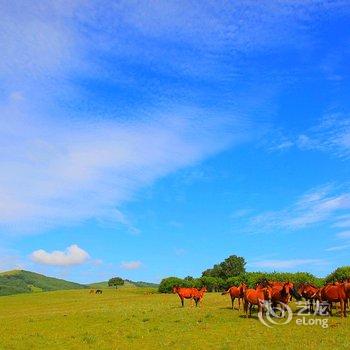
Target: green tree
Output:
{"points": [[340, 274], [232, 266], [166, 285], [115, 281]]}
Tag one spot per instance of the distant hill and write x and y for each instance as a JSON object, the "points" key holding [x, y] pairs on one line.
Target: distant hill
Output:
{"points": [[21, 281], [127, 283]]}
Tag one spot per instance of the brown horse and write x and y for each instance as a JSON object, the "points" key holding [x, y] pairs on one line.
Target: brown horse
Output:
{"points": [[308, 292], [98, 291], [185, 293], [236, 292], [257, 297], [282, 292], [198, 294], [334, 293]]}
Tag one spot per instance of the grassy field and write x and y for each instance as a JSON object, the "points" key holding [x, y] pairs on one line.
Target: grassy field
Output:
{"points": [[135, 318]]}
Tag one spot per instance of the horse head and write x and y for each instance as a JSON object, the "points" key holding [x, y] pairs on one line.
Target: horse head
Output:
{"points": [[267, 293], [242, 288]]}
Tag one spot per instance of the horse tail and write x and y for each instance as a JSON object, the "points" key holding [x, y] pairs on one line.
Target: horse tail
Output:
{"points": [[228, 291]]}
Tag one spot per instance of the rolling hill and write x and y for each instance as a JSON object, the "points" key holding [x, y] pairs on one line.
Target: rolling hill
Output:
{"points": [[127, 283], [21, 281]]}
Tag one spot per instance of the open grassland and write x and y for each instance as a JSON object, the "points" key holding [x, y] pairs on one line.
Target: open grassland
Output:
{"points": [[134, 318]]}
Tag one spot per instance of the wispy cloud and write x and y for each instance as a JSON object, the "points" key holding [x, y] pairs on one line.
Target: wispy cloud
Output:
{"points": [[131, 265], [338, 248], [180, 251], [345, 236], [287, 264], [53, 172], [10, 260], [317, 206], [331, 135], [73, 255]]}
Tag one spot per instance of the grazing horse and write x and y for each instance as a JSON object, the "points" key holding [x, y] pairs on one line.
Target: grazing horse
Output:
{"points": [[92, 291], [198, 294], [257, 297], [236, 292], [184, 293], [335, 293], [308, 292], [98, 291], [189, 293]]}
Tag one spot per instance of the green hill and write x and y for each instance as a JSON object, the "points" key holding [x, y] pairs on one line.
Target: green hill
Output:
{"points": [[21, 281], [127, 283]]}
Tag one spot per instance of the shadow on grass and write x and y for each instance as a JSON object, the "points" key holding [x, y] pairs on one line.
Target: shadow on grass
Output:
{"points": [[252, 317]]}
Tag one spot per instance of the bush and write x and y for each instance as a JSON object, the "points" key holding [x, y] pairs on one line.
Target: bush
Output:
{"points": [[341, 273], [213, 284], [167, 284]]}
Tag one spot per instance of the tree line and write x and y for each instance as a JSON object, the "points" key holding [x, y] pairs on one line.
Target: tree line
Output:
{"points": [[232, 272]]}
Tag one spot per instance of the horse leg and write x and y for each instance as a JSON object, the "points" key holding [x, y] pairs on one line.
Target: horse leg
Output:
{"points": [[245, 307], [260, 309], [345, 302], [182, 301], [341, 306], [330, 309], [232, 302], [250, 310], [239, 303], [336, 308]]}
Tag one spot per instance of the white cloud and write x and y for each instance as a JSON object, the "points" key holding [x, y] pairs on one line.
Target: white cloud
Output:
{"points": [[343, 234], [53, 173], [73, 255], [131, 265], [287, 264], [331, 135], [240, 213], [338, 248], [317, 206], [180, 251], [342, 221], [55, 169]]}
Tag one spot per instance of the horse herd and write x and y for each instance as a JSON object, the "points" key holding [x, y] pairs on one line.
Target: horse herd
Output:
{"points": [[278, 294]]}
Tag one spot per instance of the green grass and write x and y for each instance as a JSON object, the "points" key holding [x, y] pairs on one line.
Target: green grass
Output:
{"points": [[135, 318]]}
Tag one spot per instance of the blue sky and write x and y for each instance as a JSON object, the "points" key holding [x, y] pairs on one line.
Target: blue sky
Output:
{"points": [[148, 139]]}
